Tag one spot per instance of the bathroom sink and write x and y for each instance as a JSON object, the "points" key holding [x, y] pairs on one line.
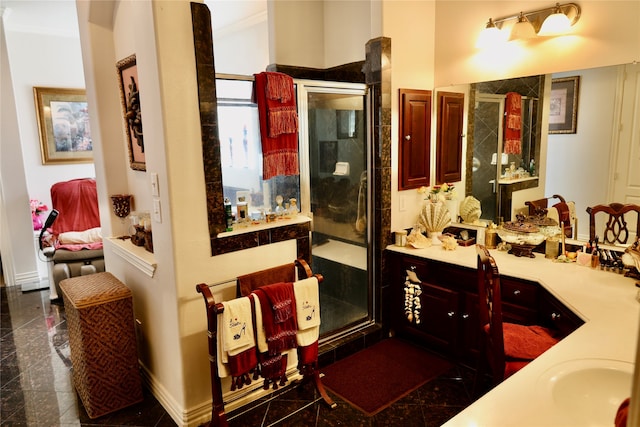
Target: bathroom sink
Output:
{"points": [[588, 390]]}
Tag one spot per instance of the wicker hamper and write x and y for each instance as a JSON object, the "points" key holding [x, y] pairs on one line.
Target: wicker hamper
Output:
{"points": [[102, 339]]}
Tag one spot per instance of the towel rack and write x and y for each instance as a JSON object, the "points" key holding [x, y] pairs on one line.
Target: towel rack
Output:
{"points": [[309, 372]]}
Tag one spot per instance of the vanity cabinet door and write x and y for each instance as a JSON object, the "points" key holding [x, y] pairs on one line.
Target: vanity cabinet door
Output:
{"points": [[414, 148], [436, 322], [555, 315], [449, 137]]}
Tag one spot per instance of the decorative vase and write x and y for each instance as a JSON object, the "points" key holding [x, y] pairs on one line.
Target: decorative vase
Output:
{"points": [[435, 237], [37, 222]]}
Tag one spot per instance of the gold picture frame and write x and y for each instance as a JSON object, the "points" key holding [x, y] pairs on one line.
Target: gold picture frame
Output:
{"points": [[132, 114], [563, 105], [63, 125]]}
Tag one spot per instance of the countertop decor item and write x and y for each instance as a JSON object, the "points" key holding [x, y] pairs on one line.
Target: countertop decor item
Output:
{"points": [[522, 235], [433, 218], [470, 210]]}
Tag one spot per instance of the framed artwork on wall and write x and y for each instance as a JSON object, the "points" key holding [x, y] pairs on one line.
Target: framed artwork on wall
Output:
{"points": [[563, 105], [132, 114], [63, 125]]}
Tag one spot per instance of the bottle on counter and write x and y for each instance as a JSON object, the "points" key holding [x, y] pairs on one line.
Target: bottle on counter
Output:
{"points": [[227, 214]]}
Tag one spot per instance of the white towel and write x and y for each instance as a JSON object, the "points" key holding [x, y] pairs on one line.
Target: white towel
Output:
{"points": [[307, 310], [237, 326], [261, 338]]}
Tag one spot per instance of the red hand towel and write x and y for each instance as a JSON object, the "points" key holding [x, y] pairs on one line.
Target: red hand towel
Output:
{"points": [[277, 304], [274, 94], [513, 123]]}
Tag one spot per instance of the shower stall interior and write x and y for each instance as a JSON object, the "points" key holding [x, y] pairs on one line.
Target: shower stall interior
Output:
{"points": [[489, 161], [334, 120]]}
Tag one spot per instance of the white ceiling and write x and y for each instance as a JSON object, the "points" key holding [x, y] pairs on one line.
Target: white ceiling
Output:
{"points": [[59, 17]]}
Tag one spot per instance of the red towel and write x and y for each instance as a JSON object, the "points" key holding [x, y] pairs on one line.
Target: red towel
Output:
{"points": [[622, 414], [278, 308], [77, 204], [513, 123], [274, 94]]}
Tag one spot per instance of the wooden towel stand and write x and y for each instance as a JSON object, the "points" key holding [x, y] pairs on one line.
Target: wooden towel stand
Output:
{"points": [[310, 372]]}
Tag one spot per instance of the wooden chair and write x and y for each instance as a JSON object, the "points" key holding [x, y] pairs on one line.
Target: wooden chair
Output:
{"points": [[507, 346], [542, 205], [616, 230], [310, 371]]}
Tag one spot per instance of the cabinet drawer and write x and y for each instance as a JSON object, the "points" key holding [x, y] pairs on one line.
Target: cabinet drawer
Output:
{"points": [[419, 267], [553, 314], [521, 293]]}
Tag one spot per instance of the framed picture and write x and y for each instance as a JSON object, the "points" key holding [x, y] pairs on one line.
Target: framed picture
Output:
{"points": [[130, 98], [563, 111], [63, 125]]}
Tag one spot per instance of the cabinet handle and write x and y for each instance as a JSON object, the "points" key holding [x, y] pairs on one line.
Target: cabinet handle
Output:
{"points": [[465, 316], [517, 292], [451, 314], [555, 316], [407, 137]]}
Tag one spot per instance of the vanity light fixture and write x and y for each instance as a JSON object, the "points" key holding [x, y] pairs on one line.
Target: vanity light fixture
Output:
{"points": [[556, 24], [490, 36], [550, 21], [523, 29]]}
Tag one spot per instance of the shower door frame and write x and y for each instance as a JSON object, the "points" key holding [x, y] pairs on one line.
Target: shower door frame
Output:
{"points": [[303, 88]]}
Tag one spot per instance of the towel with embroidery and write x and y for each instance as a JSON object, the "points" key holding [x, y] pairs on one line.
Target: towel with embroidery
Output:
{"points": [[513, 123], [277, 303], [307, 310], [236, 343], [277, 112]]}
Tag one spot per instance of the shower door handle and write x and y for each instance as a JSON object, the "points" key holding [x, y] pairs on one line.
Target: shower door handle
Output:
{"points": [[493, 185]]}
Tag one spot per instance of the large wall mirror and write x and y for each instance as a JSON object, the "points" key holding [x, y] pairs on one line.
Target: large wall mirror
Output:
{"points": [[582, 167]]}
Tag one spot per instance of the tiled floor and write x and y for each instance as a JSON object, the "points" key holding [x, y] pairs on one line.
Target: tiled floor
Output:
{"points": [[37, 390]]}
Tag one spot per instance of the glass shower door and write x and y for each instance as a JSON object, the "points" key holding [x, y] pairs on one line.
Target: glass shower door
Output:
{"points": [[337, 134], [487, 160]]}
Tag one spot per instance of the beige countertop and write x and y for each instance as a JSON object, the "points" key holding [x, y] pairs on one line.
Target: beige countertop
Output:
{"points": [[607, 303]]}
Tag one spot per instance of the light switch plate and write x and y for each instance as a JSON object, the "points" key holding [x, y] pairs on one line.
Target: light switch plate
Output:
{"points": [[157, 212], [155, 188]]}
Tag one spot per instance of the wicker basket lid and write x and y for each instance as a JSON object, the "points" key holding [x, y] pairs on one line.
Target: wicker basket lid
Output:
{"points": [[93, 289]]}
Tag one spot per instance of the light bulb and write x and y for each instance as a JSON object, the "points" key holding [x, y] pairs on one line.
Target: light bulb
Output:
{"points": [[556, 24], [490, 36], [522, 29]]}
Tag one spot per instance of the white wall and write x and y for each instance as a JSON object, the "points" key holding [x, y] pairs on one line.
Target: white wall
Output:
{"points": [[18, 260], [55, 61], [608, 33], [578, 164]]}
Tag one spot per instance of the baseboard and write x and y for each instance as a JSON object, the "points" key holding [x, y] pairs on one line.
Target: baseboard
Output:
{"points": [[31, 277], [164, 398]]}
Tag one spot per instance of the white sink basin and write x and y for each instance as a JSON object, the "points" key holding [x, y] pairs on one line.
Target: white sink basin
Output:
{"points": [[588, 390]]}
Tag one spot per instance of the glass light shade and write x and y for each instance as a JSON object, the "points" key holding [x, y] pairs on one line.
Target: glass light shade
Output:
{"points": [[491, 36], [556, 24], [522, 29]]}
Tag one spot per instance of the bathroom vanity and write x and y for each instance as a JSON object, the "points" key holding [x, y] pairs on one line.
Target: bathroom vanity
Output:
{"points": [[596, 310]]}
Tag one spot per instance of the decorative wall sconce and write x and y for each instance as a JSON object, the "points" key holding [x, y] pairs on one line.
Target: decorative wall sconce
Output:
{"points": [[551, 21]]}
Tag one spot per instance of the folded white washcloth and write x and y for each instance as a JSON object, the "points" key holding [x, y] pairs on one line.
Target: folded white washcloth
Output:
{"points": [[307, 310], [237, 328]]}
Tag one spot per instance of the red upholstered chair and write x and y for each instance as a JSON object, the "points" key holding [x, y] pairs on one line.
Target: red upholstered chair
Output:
{"points": [[75, 241], [507, 346], [615, 229]]}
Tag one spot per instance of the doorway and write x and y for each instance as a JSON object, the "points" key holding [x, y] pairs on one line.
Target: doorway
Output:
{"points": [[333, 121]]}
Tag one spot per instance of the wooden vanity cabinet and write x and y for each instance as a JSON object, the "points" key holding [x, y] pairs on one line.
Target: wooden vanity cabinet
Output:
{"points": [[449, 322]]}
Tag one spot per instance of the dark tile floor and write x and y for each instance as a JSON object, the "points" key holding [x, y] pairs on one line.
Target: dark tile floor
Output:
{"points": [[36, 386]]}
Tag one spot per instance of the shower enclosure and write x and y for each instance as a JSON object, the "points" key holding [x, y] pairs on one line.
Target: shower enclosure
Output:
{"points": [[333, 121], [489, 161]]}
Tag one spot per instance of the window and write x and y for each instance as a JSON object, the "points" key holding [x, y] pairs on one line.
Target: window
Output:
{"points": [[241, 152]]}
